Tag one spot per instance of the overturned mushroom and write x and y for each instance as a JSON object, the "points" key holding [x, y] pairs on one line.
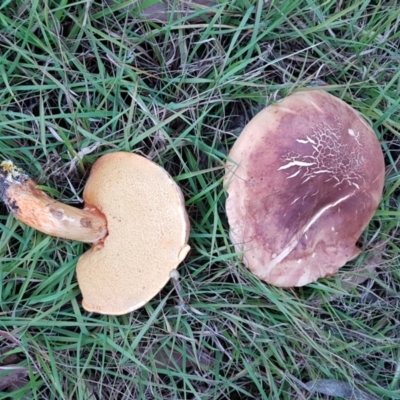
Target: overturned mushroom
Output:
{"points": [[304, 179], [135, 217]]}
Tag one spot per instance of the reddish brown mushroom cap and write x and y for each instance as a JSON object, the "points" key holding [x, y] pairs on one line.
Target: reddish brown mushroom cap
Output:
{"points": [[305, 178]]}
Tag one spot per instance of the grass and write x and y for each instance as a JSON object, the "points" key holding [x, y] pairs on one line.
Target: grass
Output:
{"points": [[81, 79]]}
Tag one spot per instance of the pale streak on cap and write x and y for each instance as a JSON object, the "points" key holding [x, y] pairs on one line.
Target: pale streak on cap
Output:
{"points": [[148, 230], [304, 179]]}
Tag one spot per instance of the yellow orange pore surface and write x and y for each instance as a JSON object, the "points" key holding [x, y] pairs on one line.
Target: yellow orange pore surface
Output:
{"points": [[147, 236], [303, 180]]}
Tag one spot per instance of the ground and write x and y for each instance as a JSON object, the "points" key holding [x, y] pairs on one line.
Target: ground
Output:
{"points": [[81, 79]]}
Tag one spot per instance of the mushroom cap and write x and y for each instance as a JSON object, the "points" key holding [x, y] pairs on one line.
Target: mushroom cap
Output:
{"points": [[304, 179], [148, 230]]}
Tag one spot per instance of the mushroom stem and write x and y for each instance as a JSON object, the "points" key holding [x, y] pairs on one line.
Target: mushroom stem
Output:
{"points": [[39, 211]]}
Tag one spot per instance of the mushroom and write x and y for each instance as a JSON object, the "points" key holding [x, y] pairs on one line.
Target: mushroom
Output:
{"points": [[303, 179], [135, 217]]}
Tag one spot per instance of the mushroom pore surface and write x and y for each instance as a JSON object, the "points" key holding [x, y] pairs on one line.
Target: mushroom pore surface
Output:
{"points": [[147, 237], [304, 179]]}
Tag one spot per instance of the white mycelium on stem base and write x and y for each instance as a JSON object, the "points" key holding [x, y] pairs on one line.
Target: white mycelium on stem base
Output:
{"points": [[304, 179]]}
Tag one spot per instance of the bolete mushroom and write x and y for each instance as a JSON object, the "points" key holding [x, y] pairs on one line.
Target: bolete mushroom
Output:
{"points": [[304, 179], [135, 217]]}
